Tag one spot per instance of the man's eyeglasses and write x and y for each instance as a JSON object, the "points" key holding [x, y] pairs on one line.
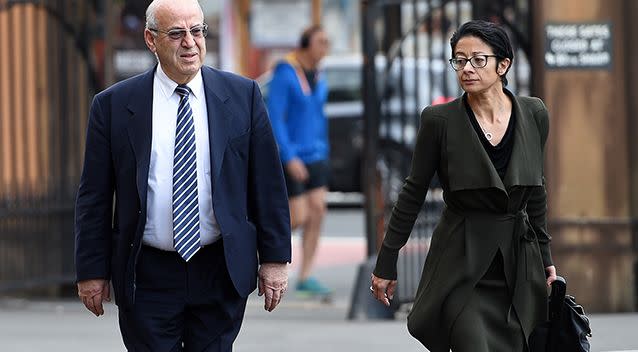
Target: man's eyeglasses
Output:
{"points": [[178, 34], [477, 61]]}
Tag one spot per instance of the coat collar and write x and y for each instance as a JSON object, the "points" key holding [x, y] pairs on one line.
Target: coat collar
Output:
{"points": [[140, 128], [219, 117], [469, 165]]}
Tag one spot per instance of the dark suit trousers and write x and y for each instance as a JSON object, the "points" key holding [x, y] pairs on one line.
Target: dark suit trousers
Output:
{"points": [[182, 306]]}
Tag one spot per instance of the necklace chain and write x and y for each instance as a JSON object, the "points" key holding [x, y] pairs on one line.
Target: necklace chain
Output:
{"points": [[488, 135]]}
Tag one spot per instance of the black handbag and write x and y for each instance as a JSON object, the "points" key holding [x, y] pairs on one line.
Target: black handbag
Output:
{"points": [[567, 329]]}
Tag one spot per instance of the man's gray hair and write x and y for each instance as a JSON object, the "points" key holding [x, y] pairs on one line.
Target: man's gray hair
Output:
{"points": [[151, 20]]}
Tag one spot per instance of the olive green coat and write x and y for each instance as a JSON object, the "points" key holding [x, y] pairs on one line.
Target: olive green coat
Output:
{"points": [[483, 215]]}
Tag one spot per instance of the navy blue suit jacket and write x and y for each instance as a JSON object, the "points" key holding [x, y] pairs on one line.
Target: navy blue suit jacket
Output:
{"points": [[249, 194]]}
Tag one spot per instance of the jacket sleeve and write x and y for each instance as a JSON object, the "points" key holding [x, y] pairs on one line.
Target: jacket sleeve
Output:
{"points": [[537, 204], [267, 196], [278, 104], [94, 202], [425, 161]]}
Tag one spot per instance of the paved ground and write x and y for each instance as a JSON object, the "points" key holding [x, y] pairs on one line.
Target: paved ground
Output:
{"points": [[297, 325]]}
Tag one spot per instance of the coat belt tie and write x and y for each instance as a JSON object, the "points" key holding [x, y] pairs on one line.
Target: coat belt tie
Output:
{"points": [[522, 242]]}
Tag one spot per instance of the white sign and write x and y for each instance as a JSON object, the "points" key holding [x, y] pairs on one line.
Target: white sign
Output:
{"points": [[278, 23], [131, 62], [586, 45]]}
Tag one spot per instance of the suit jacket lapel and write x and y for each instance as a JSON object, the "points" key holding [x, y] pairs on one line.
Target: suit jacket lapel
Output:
{"points": [[219, 119], [469, 166], [140, 131]]}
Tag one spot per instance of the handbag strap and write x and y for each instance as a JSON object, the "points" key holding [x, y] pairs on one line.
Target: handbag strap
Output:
{"points": [[556, 302], [559, 289]]}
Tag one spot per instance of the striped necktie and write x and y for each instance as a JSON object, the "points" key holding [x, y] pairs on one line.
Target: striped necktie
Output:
{"points": [[185, 200]]}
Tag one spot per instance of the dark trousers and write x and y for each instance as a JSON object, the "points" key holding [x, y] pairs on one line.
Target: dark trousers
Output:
{"points": [[182, 306]]}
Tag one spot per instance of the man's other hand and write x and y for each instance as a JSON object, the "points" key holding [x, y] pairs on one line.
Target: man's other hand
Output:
{"points": [[93, 293], [273, 282]]}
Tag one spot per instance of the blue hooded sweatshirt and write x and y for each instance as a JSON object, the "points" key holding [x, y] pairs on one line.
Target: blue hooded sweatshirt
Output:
{"points": [[296, 113]]}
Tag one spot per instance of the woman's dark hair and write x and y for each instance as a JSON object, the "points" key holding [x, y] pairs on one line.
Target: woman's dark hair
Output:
{"points": [[492, 34]]}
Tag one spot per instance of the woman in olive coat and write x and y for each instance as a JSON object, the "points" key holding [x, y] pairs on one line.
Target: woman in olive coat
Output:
{"points": [[484, 284]]}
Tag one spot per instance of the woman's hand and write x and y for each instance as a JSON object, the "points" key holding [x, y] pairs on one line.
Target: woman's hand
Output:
{"points": [[382, 289], [550, 273]]}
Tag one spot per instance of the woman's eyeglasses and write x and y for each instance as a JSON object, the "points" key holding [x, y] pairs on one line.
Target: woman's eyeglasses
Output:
{"points": [[477, 61]]}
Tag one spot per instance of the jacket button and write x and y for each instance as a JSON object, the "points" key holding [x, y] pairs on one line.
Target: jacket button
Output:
{"points": [[131, 244]]}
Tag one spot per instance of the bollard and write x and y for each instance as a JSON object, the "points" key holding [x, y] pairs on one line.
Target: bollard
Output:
{"points": [[363, 305]]}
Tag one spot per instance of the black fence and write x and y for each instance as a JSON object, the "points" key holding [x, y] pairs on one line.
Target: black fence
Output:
{"points": [[406, 49], [36, 246], [47, 78]]}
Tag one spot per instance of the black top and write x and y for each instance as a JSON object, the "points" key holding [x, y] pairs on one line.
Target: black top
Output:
{"points": [[499, 154], [311, 76]]}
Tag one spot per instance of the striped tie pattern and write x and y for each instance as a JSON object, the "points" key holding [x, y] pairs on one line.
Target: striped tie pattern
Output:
{"points": [[185, 200]]}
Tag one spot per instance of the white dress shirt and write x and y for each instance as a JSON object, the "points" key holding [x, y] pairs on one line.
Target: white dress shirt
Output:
{"points": [[158, 231]]}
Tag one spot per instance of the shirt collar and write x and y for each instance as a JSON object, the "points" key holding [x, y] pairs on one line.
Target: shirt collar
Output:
{"points": [[167, 85]]}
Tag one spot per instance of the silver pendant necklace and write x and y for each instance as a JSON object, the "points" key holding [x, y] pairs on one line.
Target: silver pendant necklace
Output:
{"points": [[488, 135]]}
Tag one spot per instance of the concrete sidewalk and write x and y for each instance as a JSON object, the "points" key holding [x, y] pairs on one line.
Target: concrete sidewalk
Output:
{"points": [[296, 325]]}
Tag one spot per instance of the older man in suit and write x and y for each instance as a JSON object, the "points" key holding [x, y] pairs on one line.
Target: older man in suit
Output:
{"points": [[200, 214]]}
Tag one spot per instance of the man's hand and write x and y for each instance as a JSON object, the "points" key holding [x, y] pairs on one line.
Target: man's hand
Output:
{"points": [[297, 170], [93, 293], [273, 282]]}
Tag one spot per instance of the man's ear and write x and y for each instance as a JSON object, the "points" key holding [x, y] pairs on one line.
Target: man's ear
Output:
{"points": [[149, 39]]}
